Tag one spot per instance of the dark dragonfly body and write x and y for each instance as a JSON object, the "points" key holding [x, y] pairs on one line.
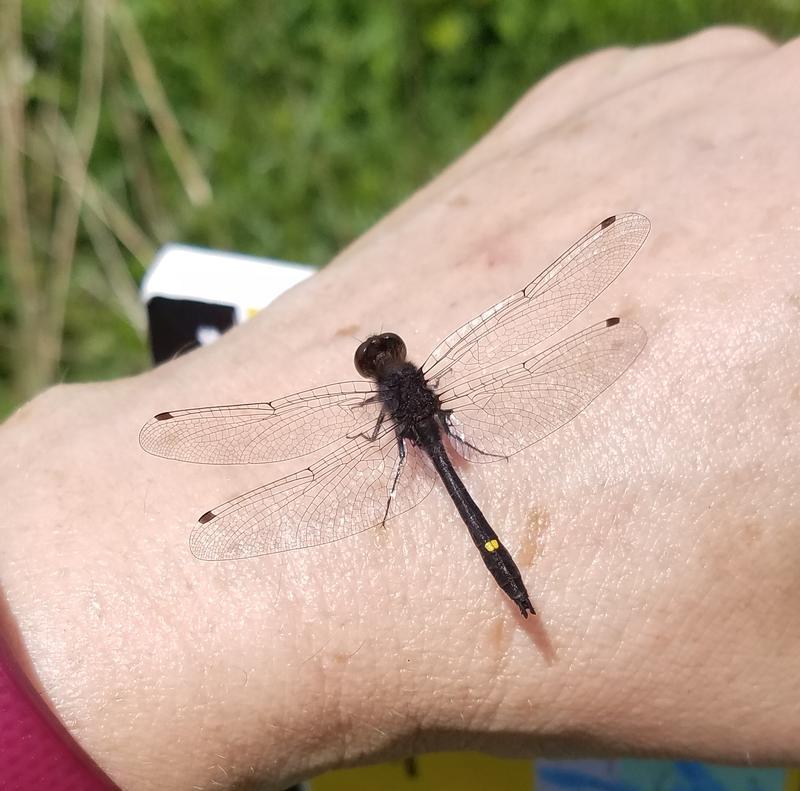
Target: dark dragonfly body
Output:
{"points": [[415, 410], [486, 392]]}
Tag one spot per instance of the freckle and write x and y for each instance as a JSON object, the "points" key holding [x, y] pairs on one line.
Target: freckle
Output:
{"points": [[573, 129], [703, 144], [458, 201], [347, 331], [536, 524], [751, 531]]}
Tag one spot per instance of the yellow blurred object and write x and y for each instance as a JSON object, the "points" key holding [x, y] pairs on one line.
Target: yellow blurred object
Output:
{"points": [[462, 771]]}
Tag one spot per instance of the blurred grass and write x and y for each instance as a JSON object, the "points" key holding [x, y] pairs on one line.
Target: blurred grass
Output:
{"points": [[309, 121]]}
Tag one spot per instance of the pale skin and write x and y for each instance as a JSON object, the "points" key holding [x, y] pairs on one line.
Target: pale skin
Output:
{"points": [[657, 533]]}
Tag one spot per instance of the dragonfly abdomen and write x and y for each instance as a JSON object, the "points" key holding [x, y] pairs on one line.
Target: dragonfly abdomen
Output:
{"points": [[495, 556]]}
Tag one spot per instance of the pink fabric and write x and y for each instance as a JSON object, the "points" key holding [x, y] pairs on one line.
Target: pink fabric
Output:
{"points": [[36, 751]]}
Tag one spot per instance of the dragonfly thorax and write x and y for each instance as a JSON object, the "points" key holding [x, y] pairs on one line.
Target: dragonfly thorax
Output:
{"points": [[407, 396]]}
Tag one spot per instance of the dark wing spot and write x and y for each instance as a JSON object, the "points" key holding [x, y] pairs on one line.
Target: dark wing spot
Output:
{"points": [[164, 416], [206, 517], [608, 221], [611, 322]]}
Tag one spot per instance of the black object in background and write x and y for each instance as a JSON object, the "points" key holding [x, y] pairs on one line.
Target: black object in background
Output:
{"points": [[178, 325]]}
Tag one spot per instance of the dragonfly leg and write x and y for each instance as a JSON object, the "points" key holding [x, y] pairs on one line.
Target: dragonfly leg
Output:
{"points": [[401, 463], [452, 431], [374, 435]]}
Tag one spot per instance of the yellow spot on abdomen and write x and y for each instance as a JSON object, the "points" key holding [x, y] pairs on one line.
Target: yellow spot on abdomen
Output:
{"points": [[491, 545]]}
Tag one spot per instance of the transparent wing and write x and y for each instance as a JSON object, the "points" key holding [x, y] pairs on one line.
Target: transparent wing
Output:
{"points": [[271, 431], [544, 306], [502, 412], [344, 493]]}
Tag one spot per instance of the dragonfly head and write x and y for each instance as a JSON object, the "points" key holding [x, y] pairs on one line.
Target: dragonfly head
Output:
{"points": [[377, 352]]}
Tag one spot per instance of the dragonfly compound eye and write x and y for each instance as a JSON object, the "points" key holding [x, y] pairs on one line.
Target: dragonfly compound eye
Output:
{"points": [[365, 357], [393, 345]]}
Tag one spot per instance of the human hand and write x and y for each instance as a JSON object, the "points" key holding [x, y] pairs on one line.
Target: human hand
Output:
{"points": [[656, 533]]}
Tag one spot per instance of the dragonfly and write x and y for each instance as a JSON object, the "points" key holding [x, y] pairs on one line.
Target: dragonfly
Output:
{"points": [[485, 393]]}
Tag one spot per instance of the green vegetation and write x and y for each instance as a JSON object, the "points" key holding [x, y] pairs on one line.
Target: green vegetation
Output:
{"points": [[307, 121]]}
